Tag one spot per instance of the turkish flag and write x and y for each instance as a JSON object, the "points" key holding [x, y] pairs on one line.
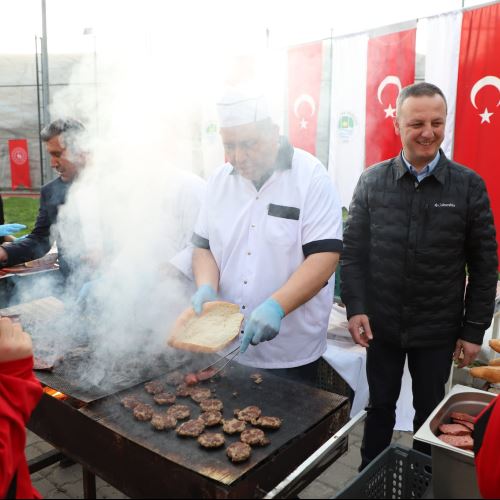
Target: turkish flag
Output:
{"points": [[477, 122], [391, 66], [19, 163], [305, 66]]}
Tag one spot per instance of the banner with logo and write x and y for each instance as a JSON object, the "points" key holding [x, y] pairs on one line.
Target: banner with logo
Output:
{"points": [[305, 65], [347, 125], [391, 66], [442, 35], [19, 163], [477, 128]]}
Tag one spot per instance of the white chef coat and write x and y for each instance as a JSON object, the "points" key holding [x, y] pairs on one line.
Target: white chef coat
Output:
{"points": [[186, 192], [260, 237]]}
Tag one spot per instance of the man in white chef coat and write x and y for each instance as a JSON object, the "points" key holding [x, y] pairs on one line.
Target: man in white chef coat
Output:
{"points": [[268, 238]]}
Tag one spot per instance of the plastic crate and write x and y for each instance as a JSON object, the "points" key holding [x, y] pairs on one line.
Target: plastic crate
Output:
{"points": [[398, 472]]}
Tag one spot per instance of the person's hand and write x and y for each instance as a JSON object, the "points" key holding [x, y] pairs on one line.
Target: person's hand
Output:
{"points": [[8, 229], [205, 293], [14, 342], [263, 324], [359, 328], [85, 291], [465, 352]]}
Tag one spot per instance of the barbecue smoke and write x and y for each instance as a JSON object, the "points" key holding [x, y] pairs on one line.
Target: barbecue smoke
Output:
{"points": [[147, 97]]}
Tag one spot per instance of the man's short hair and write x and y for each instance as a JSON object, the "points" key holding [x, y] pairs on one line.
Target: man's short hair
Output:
{"points": [[69, 128], [418, 90]]}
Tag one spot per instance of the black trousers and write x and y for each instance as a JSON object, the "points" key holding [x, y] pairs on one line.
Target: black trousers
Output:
{"points": [[429, 369]]}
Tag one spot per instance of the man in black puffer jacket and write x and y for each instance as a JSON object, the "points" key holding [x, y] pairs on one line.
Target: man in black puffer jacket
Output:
{"points": [[416, 223]]}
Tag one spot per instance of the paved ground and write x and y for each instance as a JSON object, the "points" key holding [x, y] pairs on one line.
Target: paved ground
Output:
{"points": [[56, 482]]}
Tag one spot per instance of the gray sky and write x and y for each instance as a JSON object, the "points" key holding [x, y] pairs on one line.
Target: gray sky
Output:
{"points": [[236, 24]]}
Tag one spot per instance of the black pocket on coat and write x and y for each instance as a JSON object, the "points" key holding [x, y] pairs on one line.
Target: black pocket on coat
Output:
{"points": [[292, 213]]}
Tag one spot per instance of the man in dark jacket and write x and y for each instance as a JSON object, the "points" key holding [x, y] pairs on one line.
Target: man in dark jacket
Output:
{"points": [[66, 157], [416, 223]]}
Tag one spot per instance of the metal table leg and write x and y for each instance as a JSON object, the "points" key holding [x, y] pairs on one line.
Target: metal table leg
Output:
{"points": [[44, 460], [89, 488]]}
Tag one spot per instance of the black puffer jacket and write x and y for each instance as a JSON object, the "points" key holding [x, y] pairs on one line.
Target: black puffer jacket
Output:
{"points": [[406, 248]]}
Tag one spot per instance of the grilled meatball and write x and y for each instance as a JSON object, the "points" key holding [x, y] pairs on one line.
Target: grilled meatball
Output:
{"points": [[162, 421], [183, 391], [164, 398], [200, 394], [130, 402], [206, 374], [174, 378], [254, 437], [191, 428], [211, 440], [248, 414], [143, 412], [191, 379], [211, 418], [233, 426], [238, 452], [268, 422], [211, 405], [180, 412], [154, 387]]}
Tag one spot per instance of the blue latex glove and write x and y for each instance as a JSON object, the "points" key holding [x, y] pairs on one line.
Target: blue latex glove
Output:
{"points": [[205, 293], [8, 229], [263, 324], [85, 291]]}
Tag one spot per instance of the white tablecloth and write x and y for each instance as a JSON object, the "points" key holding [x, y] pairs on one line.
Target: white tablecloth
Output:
{"points": [[349, 361]]}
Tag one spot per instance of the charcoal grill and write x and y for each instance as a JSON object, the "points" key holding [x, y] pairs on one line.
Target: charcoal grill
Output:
{"points": [[89, 425], [103, 437]]}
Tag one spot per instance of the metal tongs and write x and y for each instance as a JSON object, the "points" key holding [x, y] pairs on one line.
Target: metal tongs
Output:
{"points": [[228, 358]]}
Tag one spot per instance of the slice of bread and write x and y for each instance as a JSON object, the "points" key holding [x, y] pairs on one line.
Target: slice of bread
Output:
{"points": [[488, 373], [216, 327], [495, 344]]}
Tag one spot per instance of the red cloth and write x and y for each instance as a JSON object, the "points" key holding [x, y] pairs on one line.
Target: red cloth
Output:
{"points": [[391, 66], [19, 163], [488, 457], [20, 392], [477, 122], [305, 67]]}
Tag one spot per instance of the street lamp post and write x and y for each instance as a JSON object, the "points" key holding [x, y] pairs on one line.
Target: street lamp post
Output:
{"points": [[90, 31], [45, 84]]}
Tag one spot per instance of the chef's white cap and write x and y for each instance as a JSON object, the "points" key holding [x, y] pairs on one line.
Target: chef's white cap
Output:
{"points": [[240, 106]]}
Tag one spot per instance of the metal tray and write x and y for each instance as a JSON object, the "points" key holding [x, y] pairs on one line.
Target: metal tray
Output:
{"points": [[461, 399], [453, 469]]}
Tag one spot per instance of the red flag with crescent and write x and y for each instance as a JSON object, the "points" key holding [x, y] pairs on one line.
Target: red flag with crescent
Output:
{"points": [[391, 66], [477, 122], [19, 163], [305, 66]]}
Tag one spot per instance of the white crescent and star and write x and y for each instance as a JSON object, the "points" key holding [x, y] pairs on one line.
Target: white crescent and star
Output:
{"points": [[390, 112], [304, 98], [494, 81]]}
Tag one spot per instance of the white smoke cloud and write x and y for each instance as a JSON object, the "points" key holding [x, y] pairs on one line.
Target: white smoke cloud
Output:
{"points": [[147, 97]]}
